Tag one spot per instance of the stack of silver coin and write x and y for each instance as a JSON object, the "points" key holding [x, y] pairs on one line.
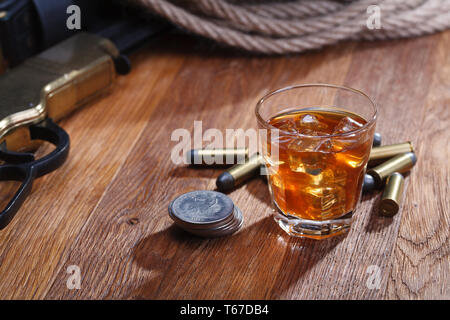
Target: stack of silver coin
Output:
{"points": [[206, 213]]}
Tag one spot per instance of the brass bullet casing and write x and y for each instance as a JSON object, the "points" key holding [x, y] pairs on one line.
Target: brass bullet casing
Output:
{"points": [[400, 164], [239, 173], [216, 156], [392, 195], [378, 154]]}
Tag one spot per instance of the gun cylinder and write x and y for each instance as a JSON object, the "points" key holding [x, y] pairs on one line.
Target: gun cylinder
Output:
{"points": [[216, 156], [392, 195], [239, 173], [378, 154], [400, 164]]}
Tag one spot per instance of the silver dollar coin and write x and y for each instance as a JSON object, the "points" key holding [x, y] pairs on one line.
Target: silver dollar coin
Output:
{"points": [[201, 207]]}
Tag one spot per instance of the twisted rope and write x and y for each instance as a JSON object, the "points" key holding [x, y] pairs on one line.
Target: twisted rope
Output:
{"points": [[297, 25]]}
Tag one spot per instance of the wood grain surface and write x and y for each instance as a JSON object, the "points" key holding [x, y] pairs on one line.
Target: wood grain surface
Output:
{"points": [[105, 209]]}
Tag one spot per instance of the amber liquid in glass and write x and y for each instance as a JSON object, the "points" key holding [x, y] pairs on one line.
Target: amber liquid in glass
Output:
{"points": [[319, 170]]}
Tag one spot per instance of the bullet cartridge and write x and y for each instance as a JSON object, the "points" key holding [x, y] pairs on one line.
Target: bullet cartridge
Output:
{"points": [[216, 156], [378, 154], [376, 139], [400, 164], [392, 195], [368, 184], [239, 173]]}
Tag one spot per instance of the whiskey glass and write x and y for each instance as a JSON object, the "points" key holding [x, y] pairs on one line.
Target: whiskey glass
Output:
{"points": [[316, 144]]}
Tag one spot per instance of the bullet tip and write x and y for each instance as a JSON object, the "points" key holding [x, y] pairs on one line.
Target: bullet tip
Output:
{"points": [[413, 157], [225, 182]]}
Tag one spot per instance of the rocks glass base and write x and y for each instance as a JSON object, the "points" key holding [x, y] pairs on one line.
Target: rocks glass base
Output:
{"points": [[312, 229]]}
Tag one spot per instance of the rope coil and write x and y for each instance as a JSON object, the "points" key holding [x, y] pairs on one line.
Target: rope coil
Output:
{"points": [[287, 26]]}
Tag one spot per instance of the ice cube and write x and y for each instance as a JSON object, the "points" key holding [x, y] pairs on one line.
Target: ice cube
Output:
{"points": [[343, 143], [309, 155], [310, 144], [311, 125], [309, 120], [307, 162], [330, 177], [287, 125], [327, 193], [347, 124], [324, 146], [285, 132], [323, 178]]}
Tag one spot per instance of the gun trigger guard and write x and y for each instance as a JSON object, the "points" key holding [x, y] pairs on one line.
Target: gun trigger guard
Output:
{"points": [[27, 171], [49, 131], [14, 157]]}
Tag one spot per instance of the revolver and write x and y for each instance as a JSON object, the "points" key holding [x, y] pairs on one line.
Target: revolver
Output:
{"points": [[39, 92], [44, 89]]}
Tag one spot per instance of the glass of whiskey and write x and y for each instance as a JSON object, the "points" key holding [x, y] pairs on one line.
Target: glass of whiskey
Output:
{"points": [[316, 141]]}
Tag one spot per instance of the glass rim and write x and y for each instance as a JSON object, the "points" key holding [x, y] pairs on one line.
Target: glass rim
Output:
{"points": [[310, 85]]}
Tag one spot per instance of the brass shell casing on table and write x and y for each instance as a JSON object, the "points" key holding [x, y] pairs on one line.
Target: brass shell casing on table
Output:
{"points": [[239, 173], [392, 195], [400, 163], [378, 154], [217, 156], [242, 172]]}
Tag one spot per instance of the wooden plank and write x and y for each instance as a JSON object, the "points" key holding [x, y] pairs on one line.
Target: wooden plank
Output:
{"points": [[420, 264]]}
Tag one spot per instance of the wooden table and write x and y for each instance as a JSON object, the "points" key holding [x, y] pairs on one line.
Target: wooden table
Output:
{"points": [[105, 210]]}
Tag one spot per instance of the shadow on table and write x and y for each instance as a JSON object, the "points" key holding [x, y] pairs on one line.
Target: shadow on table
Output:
{"points": [[188, 171], [258, 262], [376, 222]]}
